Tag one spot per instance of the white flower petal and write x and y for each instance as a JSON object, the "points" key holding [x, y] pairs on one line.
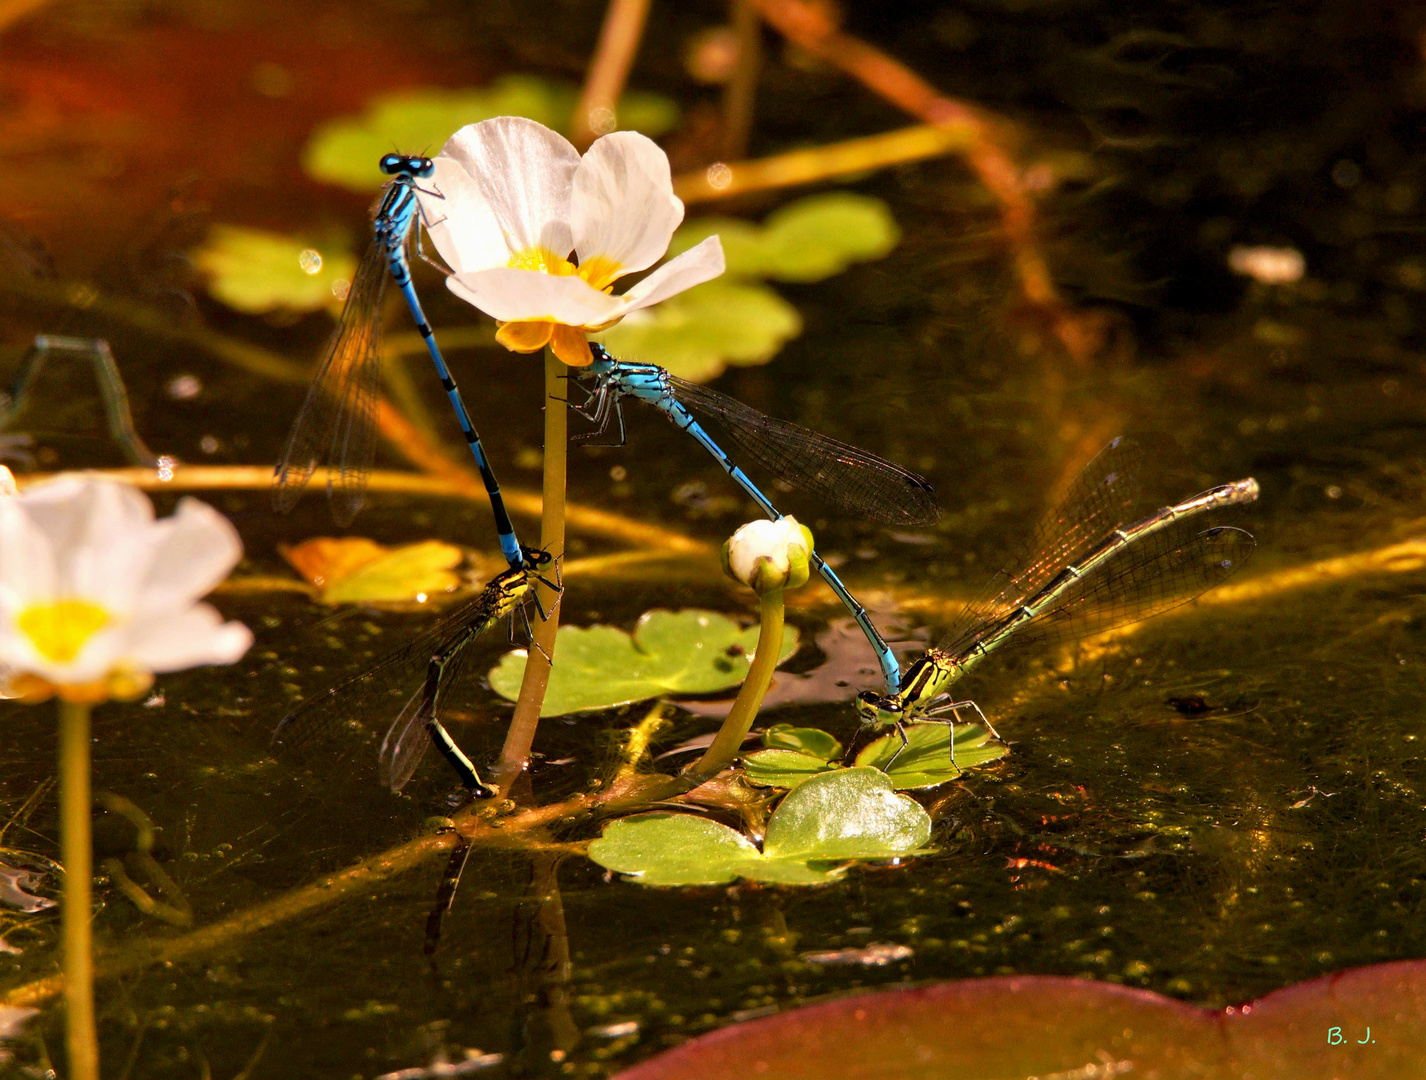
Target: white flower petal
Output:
{"points": [[80, 512], [192, 552], [529, 295], [96, 528], [763, 541], [198, 636], [80, 538], [7, 482], [524, 171], [624, 208], [27, 566], [698, 264], [16, 652], [458, 219]]}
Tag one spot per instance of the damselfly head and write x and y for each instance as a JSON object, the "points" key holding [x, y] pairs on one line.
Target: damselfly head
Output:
{"points": [[872, 707], [406, 164], [536, 558]]}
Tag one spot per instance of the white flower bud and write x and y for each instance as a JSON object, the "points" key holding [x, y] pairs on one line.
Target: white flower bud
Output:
{"points": [[768, 555]]}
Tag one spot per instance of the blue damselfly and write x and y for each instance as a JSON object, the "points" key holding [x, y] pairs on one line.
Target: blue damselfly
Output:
{"points": [[852, 479], [337, 423]]}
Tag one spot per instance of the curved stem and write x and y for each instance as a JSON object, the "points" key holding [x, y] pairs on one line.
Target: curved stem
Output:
{"points": [[76, 852], [739, 721], [515, 754]]}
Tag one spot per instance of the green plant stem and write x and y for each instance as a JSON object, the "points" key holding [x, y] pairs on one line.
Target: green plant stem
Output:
{"points": [[515, 754], [76, 852], [739, 721]]}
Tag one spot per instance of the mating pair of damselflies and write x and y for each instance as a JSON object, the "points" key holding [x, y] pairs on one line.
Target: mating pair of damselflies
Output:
{"points": [[1093, 564], [337, 424]]}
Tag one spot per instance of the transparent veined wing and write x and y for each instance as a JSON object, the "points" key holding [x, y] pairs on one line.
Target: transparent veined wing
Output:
{"points": [[337, 422], [836, 472]]}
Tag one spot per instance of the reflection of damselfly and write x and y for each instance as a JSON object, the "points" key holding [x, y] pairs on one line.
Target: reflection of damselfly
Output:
{"points": [[861, 483], [337, 423], [1094, 563], [431, 664]]}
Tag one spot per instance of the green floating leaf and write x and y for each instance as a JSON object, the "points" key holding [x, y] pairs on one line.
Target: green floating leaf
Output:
{"points": [[783, 768], [259, 272], [818, 828], [345, 151], [808, 740], [806, 240], [670, 652], [696, 335], [674, 849], [849, 814], [924, 763]]}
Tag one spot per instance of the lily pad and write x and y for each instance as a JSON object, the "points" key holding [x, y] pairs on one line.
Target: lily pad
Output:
{"points": [[1369, 1024], [355, 570], [698, 334], [924, 763], [784, 768], [345, 151], [669, 652], [807, 240], [807, 740], [260, 272], [811, 838]]}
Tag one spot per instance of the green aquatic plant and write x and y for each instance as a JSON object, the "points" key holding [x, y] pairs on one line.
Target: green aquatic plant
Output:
{"points": [[739, 320], [669, 653], [795, 754], [259, 272], [343, 151], [813, 836], [806, 240]]}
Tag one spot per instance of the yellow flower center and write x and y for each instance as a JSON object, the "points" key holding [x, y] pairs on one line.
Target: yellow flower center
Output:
{"points": [[543, 260], [599, 271], [59, 630]]}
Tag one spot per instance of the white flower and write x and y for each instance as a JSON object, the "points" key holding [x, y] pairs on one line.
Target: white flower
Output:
{"points": [[7, 482], [510, 201], [768, 555], [96, 596]]}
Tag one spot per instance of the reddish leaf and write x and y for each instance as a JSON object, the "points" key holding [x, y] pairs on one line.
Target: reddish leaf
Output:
{"points": [[1040, 1026]]}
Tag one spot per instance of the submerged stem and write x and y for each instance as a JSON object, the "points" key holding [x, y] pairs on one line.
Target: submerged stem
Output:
{"points": [[76, 852], [515, 754]]}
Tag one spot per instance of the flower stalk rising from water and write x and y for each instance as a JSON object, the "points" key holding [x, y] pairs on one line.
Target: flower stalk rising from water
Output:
{"points": [[537, 235], [95, 598], [769, 557]]}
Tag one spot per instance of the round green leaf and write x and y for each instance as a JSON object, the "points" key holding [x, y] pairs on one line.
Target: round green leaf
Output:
{"points": [[345, 151], [743, 244], [697, 334], [821, 235], [806, 740], [846, 814], [926, 760], [807, 240], [670, 652], [673, 849], [258, 272], [783, 768]]}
